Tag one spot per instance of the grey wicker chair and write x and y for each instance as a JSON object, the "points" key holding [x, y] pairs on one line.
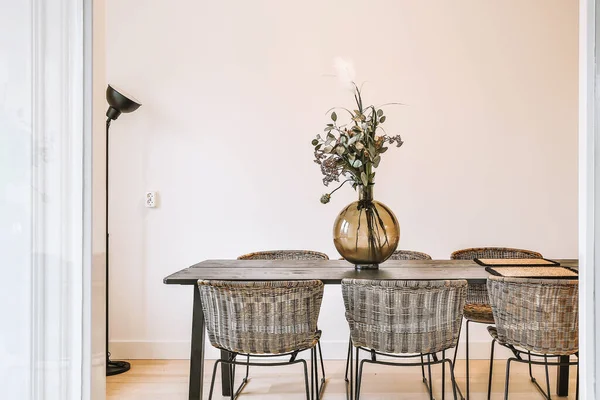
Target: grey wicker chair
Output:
{"points": [[272, 318], [292, 255], [477, 308], [534, 317], [285, 255], [409, 255], [403, 319], [397, 255]]}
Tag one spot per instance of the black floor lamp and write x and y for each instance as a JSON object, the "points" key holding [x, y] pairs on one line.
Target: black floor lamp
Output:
{"points": [[118, 103]]}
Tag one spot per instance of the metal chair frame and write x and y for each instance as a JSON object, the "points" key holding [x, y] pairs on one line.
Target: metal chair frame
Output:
{"points": [[356, 368], [519, 359], [297, 254], [412, 255], [425, 381], [314, 371], [531, 254]]}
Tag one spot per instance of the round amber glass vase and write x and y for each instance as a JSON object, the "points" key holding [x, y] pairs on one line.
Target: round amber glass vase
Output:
{"points": [[366, 232]]}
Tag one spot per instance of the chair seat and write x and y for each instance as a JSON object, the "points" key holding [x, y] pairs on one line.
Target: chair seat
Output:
{"points": [[493, 331], [481, 313], [264, 346]]}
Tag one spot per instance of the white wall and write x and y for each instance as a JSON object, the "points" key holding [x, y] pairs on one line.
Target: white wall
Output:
{"points": [[233, 93]]}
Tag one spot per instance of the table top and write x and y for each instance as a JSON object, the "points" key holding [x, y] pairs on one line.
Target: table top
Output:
{"points": [[332, 271]]}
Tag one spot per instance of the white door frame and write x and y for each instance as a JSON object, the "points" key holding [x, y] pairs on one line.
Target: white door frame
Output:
{"points": [[589, 199], [61, 200], [55, 138]]}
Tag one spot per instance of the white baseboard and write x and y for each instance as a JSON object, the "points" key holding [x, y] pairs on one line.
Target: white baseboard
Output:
{"points": [[332, 350]]}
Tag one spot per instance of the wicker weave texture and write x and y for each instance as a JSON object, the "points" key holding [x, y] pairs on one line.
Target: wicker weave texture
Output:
{"points": [[409, 255], [285, 255], [540, 315], [404, 317], [271, 317], [477, 293]]}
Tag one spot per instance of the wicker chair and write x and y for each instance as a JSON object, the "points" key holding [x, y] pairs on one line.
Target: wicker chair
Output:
{"points": [[292, 255], [285, 255], [397, 255], [534, 317], [241, 322], [403, 319], [409, 255], [477, 308]]}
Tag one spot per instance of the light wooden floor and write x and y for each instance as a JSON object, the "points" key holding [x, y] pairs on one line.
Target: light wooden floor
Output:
{"points": [[168, 380]]}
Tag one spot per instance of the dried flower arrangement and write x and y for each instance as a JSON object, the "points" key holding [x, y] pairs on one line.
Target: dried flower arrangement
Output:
{"points": [[353, 150]]}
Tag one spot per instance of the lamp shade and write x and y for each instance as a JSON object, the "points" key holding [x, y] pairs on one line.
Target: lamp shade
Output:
{"points": [[119, 103]]}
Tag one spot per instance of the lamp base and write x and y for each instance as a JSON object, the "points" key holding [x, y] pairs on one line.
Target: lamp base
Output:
{"points": [[117, 367]]}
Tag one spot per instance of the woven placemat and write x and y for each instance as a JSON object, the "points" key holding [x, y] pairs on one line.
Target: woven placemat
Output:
{"points": [[514, 262], [534, 272]]}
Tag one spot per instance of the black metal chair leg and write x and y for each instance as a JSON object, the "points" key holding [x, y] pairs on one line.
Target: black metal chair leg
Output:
{"points": [[507, 378], [312, 374], [453, 378], [317, 378], [426, 382], [489, 394], [454, 359], [443, 375], [359, 379], [350, 385], [467, 358], [323, 380], [348, 357], [577, 386], [530, 371], [430, 380], [549, 397], [212, 380], [457, 342], [306, 379], [234, 395], [232, 392], [356, 362]]}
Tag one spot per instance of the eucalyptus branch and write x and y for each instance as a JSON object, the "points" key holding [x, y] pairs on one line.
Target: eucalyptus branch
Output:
{"points": [[339, 108]]}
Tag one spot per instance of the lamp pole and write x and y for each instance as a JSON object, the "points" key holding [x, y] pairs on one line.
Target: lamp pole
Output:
{"points": [[118, 103]]}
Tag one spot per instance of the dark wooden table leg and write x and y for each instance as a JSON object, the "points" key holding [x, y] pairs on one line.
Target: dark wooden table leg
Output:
{"points": [[562, 378], [225, 374], [197, 356]]}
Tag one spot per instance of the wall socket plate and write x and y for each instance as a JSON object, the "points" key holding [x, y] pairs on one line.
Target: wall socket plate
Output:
{"points": [[150, 199]]}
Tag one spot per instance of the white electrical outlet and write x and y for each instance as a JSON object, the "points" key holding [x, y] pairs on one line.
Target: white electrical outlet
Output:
{"points": [[150, 200]]}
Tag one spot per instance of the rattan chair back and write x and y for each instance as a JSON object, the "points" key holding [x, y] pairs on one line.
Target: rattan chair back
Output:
{"points": [[285, 255], [404, 317], [409, 255], [539, 315], [493, 252], [477, 293], [270, 317]]}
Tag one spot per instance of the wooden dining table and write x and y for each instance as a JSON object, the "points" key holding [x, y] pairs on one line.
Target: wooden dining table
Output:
{"points": [[331, 272]]}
